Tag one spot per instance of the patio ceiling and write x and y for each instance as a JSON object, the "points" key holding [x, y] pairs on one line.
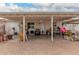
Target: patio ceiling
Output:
{"points": [[20, 18], [57, 16], [73, 21], [61, 18]]}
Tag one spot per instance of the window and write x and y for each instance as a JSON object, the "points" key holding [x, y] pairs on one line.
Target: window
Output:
{"points": [[30, 25]]}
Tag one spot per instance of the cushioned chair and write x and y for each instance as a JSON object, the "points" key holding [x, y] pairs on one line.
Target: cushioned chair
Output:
{"points": [[48, 32], [37, 32], [68, 35]]}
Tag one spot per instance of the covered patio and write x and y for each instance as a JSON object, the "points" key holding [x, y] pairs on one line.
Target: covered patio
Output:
{"points": [[45, 43], [29, 24]]}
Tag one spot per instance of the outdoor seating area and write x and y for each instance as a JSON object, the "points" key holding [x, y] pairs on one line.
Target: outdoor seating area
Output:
{"points": [[21, 27], [39, 32], [72, 36], [70, 27]]}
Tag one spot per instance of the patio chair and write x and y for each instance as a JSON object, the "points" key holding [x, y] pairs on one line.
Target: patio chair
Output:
{"points": [[37, 32], [68, 35], [76, 36]]}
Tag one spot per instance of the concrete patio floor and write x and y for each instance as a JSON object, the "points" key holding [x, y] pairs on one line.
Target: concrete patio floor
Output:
{"points": [[40, 46]]}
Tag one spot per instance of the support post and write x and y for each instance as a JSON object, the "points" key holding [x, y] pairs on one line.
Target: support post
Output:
{"points": [[52, 28], [24, 32]]}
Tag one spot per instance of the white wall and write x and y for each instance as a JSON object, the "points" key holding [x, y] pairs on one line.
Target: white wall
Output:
{"points": [[72, 27], [10, 25], [77, 27]]}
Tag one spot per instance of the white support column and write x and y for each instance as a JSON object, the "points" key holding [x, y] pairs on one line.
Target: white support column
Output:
{"points": [[52, 28], [24, 32]]}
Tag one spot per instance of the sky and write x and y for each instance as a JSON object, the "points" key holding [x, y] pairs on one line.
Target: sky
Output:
{"points": [[39, 7]]}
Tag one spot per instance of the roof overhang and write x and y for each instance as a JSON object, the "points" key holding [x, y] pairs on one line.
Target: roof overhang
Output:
{"points": [[5, 14], [51, 13]]}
